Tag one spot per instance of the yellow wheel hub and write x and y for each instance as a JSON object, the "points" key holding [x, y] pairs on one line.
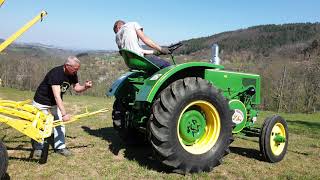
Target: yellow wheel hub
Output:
{"points": [[277, 147], [204, 141]]}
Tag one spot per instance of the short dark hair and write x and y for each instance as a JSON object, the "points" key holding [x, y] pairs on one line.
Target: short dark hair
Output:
{"points": [[116, 24]]}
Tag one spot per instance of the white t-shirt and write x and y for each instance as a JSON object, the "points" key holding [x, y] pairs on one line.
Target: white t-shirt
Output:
{"points": [[126, 38]]}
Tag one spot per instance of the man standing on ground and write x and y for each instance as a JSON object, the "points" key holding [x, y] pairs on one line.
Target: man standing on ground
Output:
{"points": [[128, 36], [48, 98]]}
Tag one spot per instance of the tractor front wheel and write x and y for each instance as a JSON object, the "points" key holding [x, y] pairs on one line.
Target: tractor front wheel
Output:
{"points": [[3, 160], [274, 138], [191, 126]]}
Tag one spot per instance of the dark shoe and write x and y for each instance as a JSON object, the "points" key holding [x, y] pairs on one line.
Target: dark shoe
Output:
{"points": [[37, 153], [64, 152]]}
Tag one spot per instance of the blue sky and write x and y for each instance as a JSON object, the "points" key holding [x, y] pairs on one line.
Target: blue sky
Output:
{"points": [[88, 24]]}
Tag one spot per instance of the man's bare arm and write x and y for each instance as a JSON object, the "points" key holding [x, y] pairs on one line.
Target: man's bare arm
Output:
{"points": [[57, 96], [144, 38], [80, 88]]}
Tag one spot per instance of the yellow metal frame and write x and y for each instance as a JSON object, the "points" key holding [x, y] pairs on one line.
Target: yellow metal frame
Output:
{"points": [[1, 2], [17, 34], [213, 127], [277, 147], [31, 121]]}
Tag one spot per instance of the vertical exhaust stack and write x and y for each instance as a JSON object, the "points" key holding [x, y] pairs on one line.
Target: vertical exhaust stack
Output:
{"points": [[215, 54]]}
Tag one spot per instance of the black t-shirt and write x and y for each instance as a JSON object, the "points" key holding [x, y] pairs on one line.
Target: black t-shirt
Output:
{"points": [[55, 76]]}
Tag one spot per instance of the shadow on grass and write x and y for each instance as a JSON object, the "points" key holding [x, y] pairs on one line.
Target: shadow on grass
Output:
{"points": [[19, 148], [16, 139], [249, 153], [6, 177], [24, 159], [139, 153], [29, 149], [5, 128]]}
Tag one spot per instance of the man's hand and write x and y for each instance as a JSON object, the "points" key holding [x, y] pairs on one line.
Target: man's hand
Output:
{"points": [[66, 117], [156, 53], [165, 51], [88, 84]]}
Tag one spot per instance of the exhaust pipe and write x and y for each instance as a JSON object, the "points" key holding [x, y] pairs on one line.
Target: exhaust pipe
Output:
{"points": [[215, 54]]}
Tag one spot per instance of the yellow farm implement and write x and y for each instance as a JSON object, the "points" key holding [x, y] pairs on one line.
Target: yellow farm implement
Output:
{"points": [[31, 121], [24, 117]]}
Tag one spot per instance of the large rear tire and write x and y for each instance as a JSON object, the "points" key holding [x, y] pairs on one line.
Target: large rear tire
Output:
{"points": [[274, 139], [191, 126], [3, 160]]}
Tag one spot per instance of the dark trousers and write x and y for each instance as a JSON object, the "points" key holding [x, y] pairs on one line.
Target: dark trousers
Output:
{"points": [[158, 61]]}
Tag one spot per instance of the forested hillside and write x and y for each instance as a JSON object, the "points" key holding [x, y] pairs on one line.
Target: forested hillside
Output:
{"points": [[286, 56], [262, 39]]}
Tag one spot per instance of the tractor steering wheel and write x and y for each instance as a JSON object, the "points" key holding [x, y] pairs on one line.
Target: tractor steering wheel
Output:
{"points": [[173, 47]]}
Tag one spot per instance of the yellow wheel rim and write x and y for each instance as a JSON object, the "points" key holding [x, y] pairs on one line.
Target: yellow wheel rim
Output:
{"points": [[276, 147], [211, 130]]}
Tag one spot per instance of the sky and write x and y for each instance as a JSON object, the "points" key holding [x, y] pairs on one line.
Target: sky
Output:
{"points": [[80, 24]]}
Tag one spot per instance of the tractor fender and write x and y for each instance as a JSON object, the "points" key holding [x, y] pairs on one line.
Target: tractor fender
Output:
{"points": [[118, 83], [153, 84]]}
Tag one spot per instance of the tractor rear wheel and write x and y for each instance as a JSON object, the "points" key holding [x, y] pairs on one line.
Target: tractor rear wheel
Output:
{"points": [[3, 160], [274, 138], [191, 126], [120, 117]]}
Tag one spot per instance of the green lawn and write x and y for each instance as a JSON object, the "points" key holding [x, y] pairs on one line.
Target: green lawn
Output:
{"points": [[100, 154]]}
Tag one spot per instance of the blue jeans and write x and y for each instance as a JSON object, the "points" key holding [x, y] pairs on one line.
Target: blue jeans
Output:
{"points": [[158, 61]]}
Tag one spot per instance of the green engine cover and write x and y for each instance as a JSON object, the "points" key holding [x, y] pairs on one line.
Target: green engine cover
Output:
{"points": [[232, 83]]}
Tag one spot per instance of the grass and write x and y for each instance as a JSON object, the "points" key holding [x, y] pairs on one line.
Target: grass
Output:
{"points": [[99, 153]]}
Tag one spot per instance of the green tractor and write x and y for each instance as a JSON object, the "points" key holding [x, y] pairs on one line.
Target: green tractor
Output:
{"points": [[189, 112]]}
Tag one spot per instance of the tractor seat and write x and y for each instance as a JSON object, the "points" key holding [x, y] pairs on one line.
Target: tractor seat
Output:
{"points": [[136, 62]]}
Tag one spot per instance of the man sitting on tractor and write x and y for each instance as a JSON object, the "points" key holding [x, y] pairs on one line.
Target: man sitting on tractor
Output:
{"points": [[127, 37]]}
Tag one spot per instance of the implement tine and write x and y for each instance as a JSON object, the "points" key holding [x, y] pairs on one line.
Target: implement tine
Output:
{"points": [[79, 116]]}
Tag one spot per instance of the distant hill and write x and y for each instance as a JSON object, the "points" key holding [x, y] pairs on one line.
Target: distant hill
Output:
{"points": [[257, 40], [42, 50]]}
